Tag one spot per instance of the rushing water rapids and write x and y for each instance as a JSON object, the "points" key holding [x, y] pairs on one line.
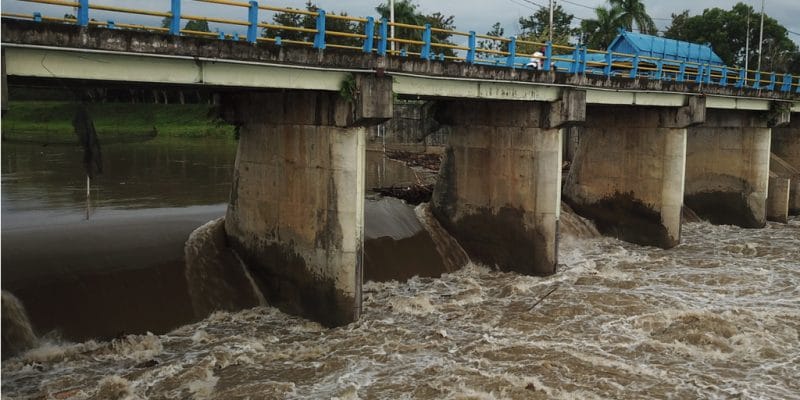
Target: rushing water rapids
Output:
{"points": [[716, 317]]}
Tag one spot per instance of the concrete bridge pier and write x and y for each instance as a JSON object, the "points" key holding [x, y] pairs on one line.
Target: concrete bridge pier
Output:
{"points": [[628, 172], [499, 187], [296, 212], [727, 168], [786, 146]]}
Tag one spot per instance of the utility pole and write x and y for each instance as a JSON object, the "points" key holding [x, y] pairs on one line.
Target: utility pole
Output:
{"points": [[747, 43], [551, 21], [391, 20], [761, 35]]}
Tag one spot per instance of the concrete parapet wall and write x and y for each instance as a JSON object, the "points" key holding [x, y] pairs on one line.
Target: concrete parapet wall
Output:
{"points": [[727, 168], [498, 191], [627, 175], [786, 145]]}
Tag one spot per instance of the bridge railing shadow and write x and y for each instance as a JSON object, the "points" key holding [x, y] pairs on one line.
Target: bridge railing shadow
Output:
{"points": [[318, 29]]}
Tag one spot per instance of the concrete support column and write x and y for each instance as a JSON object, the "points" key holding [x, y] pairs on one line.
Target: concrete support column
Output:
{"points": [[785, 145], [499, 187], [628, 172], [296, 213], [727, 168], [778, 199]]}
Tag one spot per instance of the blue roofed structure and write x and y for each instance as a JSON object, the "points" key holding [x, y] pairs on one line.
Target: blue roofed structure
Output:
{"points": [[663, 48]]}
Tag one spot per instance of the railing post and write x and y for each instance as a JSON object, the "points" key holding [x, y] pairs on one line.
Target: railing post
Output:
{"points": [[369, 32], [403, 52], [111, 25], [635, 67], [772, 80], [740, 83], [682, 72], [471, 43], [425, 53], [512, 53], [700, 71], [609, 61], [384, 37], [724, 80], [582, 66], [252, 18], [708, 75], [278, 41], [659, 69], [37, 17], [786, 85], [576, 60], [319, 38], [221, 35], [83, 12], [175, 21], [548, 56], [757, 82]]}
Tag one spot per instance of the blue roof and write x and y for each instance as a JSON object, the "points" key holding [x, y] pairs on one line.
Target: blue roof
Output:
{"points": [[668, 49]]}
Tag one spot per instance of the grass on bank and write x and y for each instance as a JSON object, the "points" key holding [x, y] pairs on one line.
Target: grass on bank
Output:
{"points": [[51, 121]]}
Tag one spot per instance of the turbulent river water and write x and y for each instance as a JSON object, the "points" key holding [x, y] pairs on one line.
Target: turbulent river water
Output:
{"points": [[716, 317]]}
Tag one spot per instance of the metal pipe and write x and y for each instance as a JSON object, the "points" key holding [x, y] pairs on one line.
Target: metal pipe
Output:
{"points": [[551, 20], [761, 36], [391, 21]]}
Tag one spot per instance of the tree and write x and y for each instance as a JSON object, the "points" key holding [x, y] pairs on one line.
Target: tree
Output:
{"points": [[601, 31], [295, 20], [406, 12], [634, 11], [496, 45], [197, 25], [536, 28], [726, 32]]}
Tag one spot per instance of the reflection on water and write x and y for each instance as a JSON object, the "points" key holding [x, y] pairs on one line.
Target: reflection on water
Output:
{"points": [[152, 174], [716, 317]]}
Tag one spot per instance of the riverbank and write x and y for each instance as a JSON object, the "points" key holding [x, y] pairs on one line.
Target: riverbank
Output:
{"points": [[50, 122]]}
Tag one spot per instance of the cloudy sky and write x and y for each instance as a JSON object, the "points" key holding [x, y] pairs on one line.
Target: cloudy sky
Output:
{"points": [[476, 15]]}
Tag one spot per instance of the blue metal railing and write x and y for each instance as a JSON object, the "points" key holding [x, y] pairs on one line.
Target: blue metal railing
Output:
{"points": [[371, 36]]}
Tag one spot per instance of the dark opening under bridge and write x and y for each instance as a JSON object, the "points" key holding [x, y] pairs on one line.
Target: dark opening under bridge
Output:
{"points": [[651, 139]]}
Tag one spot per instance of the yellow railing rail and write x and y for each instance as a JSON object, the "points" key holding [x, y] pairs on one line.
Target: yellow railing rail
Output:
{"points": [[371, 35]]}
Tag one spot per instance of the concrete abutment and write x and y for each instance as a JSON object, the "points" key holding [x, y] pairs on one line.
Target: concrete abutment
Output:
{"points": [[727, 168], [296, 213], [628, 171], [499, 187]]}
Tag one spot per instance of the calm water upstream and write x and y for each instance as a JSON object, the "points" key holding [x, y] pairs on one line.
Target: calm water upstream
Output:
{"points": [[716, 317]]}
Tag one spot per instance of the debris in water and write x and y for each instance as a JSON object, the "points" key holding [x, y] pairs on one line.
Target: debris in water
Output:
{"points": [[413, 194]]}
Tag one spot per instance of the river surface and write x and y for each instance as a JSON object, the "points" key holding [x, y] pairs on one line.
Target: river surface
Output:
{"points": [[716, 317]]}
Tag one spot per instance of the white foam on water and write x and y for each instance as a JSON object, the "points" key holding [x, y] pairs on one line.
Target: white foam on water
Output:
{"points": [[716, 317]]}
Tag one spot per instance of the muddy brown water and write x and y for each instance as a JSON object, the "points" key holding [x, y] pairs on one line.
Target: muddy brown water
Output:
{"points": [[716, 317], [125, 269]]}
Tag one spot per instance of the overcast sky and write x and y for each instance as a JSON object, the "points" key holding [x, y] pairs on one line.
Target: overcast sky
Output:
{"points": [[477, 15]]}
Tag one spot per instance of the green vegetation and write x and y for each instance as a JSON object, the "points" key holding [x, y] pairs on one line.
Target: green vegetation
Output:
{"points": [[51, 121]]}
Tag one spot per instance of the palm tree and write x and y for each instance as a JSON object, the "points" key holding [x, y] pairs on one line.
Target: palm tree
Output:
{"points": [[602, 30], [634, 11]]}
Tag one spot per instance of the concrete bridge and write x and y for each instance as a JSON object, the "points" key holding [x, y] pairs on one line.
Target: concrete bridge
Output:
{"points": [[647, 147]]}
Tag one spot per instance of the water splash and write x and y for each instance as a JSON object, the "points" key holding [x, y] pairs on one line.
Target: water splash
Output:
{"points": [[17, 333]]}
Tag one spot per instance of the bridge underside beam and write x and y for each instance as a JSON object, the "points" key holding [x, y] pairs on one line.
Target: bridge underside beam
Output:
{"points": [[727, 168], [628, 172], [296, 214], [498, 191], [785, 144]]}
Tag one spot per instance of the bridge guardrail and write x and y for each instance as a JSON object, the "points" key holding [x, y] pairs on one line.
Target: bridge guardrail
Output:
{"points": [[373, 37]]}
